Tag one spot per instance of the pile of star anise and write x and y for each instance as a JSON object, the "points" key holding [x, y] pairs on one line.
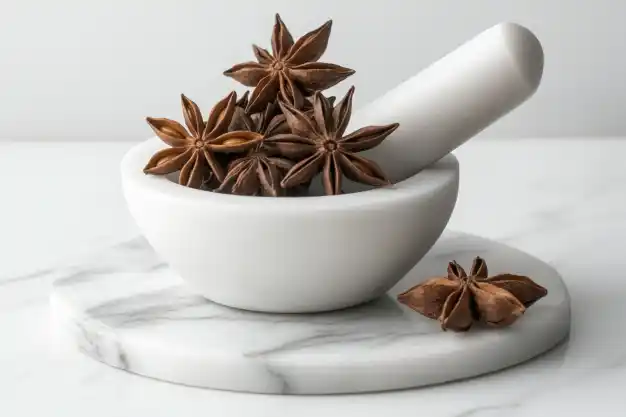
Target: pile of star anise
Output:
{"points": [[274, 141]]}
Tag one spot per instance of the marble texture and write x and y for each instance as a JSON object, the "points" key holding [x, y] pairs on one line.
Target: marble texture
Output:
{"points": [[140, 317], [561, 200]]}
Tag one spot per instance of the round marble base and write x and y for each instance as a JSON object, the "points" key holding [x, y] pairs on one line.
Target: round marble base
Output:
{"points": [[127, 309]]}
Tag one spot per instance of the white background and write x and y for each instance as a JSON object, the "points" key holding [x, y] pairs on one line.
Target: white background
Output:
{"points": [[92, 70]]}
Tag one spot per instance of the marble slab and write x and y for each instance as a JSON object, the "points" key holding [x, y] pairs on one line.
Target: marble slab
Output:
{"points": [[126, 308]]}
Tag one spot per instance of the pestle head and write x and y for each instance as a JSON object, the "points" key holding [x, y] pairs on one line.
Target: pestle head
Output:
{"points": [[455, 98], [526, 51]]}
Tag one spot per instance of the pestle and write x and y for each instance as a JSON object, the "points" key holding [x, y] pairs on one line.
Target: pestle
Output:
{"points": [[453, 99]]}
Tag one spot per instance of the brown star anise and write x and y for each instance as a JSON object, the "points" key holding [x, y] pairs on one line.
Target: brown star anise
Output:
{"points": [[459, 300], [319, 145], [260, 171], [267, 123], [256, 174], [292, 70], [281, 126], [193, 152]]}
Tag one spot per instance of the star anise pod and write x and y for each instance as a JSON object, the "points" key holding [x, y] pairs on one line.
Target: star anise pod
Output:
{"points": [[193, 150], [256, 174], [281, 125], [291, 71], [269, 122], [459, 300], [260, 171], [319, 145]]}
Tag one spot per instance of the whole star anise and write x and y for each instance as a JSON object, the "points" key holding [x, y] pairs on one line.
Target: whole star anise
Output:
{"points": [[319, 145], [256, 174], [259, 172], [193, 151], [459, 300], [292, 70]]}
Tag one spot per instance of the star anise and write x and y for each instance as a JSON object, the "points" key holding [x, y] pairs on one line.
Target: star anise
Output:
{"points": [[269, 122], [193, 151], [256, 174], [459, 300], [281, 126], [292, 70], [319, 145], [260, 171]]}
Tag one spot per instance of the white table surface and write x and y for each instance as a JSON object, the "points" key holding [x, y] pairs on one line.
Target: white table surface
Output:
{"points": [[563, 201]]}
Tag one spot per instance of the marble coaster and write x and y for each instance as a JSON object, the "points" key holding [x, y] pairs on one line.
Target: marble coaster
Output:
{"points": [[126, 308]]}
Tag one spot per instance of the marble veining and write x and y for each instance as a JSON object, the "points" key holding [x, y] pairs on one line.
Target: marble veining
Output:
{"points": [[141, 318]]}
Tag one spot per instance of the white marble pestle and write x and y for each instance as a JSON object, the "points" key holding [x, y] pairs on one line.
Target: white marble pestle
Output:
{"points": [[455, 98]]}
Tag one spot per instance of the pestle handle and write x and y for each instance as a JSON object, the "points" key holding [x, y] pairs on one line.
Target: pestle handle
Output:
{"points": [[453, 99]]}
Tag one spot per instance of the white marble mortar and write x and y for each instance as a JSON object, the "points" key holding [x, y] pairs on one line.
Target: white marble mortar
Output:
{"points": [[290, 255]]}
